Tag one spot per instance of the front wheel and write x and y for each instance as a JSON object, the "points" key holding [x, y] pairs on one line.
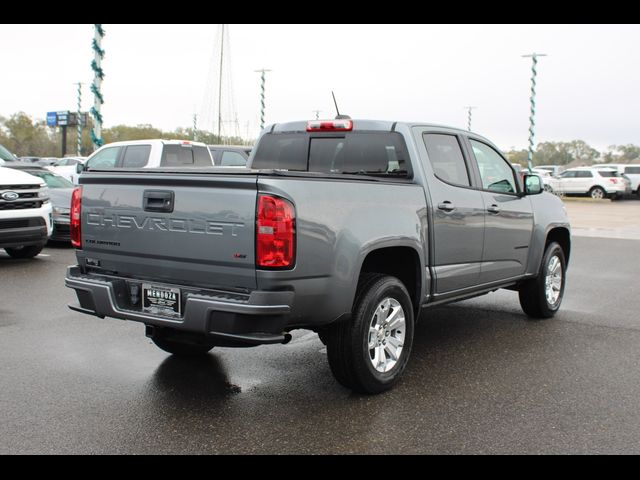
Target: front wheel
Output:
{"points": [[369, 353], [541, 297], [24, 252]]}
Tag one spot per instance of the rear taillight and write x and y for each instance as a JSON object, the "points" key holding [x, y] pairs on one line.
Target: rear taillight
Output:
{"points": [[275, 232], [76, 207], [613, 180]]}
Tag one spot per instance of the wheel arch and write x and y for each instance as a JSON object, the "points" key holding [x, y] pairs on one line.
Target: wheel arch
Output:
{"points": [[403, 262], [562, 236]]}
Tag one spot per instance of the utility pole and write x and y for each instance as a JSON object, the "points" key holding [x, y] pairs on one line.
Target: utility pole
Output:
{"points": [[79, 120], [98, 76], [317, 112], [469, 108], [220, 85], [262, 80], [534, 57]]}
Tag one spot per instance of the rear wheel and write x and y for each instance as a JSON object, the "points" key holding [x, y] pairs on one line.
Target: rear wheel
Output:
{"points": [[182, 348], [24, 252], [369, 353], [541, 297], [597, 193]]}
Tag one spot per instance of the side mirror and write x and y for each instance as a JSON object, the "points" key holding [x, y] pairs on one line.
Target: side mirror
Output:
{"points": [[532, 184], [79, 168]]}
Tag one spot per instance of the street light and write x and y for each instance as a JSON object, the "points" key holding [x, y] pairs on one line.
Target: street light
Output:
{"points": [[532, 100]]}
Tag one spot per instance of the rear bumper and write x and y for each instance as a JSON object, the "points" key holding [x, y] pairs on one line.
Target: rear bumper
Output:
{"points": [[228, 317]]}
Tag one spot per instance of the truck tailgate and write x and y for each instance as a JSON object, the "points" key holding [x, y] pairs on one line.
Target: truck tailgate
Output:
{"points": [[190, 229]]}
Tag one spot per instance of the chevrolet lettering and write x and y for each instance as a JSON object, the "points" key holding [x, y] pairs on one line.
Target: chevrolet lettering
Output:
{"points": [[185, 225]]}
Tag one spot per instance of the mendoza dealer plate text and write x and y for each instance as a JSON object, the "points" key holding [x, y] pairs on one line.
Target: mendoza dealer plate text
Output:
{"points": [[161, 300]]}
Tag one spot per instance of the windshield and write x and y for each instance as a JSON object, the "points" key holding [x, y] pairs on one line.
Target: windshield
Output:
{"points": [[6, 154], [51, 179]]}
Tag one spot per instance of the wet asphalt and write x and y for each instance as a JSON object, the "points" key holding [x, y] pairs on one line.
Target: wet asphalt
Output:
{"points": [[481, 379]]}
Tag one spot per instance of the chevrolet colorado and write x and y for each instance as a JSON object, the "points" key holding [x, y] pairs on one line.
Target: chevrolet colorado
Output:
{"points": [[349, 228]]}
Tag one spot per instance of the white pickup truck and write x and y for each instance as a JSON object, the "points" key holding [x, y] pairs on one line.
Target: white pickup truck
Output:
{"points": [[149, 154], [25, 213]]}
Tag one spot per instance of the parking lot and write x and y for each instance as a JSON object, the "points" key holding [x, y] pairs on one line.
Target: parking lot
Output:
{"points": [[481, 379]]}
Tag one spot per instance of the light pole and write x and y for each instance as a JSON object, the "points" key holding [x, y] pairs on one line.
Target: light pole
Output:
{"points": [[262, 71], [534, 57], [79, 120], [195, 127], [98, 76], [469, 108]]}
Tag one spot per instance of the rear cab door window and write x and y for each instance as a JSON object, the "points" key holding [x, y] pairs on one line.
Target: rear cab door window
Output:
{"points": [[135, 156]]}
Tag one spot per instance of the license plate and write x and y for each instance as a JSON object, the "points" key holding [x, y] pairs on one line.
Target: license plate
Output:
{"points": [[161, 300]]}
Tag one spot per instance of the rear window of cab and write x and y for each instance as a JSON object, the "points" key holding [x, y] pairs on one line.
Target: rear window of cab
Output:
{"points": [[368, 153]]}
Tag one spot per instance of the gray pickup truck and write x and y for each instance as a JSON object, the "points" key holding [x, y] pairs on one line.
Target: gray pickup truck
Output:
{"points": [[349, 228]]}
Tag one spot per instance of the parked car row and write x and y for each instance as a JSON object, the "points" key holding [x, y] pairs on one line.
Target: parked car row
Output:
{"points": [[605, 180], [594, 182]]}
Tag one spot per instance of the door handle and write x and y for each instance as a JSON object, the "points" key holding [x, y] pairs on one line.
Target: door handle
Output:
{"points": [[493, 209], [446, 206], [158, 201]]}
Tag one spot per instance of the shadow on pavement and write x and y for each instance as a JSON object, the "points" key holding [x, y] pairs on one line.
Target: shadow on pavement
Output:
{"points": [[183, 380]]}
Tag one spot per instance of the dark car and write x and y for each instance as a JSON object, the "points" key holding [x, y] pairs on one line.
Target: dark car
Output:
{"points": [[230, 155], [60, 190]]}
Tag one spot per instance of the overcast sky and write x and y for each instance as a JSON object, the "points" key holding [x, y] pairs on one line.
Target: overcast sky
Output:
{"points": [[588, 86]]}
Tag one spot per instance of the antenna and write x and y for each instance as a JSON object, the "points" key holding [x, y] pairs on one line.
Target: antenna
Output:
{"points": [[335, 103], [338, 116]]}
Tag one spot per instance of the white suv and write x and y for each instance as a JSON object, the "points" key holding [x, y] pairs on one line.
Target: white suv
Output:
{"points": [[594, 182], [149, 154], [632, 171], [25, 213]]}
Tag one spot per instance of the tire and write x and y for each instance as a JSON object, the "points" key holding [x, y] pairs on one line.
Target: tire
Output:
{"points": [[597, 193], [353, 346], [181, 348], [24, 252], [548, 188], [533, 293]]}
